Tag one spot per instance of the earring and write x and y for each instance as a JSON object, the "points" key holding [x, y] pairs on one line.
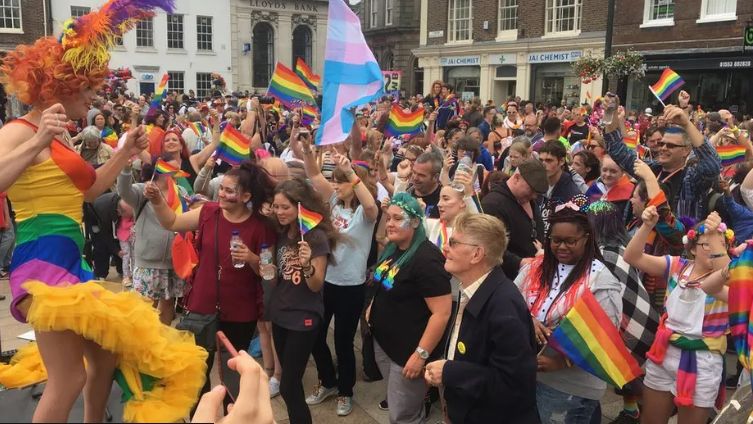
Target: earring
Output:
{"points": [[250, 205]]}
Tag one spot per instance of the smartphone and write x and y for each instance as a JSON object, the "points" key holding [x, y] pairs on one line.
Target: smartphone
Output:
{"points": [[228, 378]]}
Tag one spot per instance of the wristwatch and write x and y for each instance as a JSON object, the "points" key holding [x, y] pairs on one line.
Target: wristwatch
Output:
{"points": [[422, 353]]}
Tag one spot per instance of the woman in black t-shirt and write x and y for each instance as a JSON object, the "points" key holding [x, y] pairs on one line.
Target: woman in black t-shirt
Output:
{"points": [[411, 308]]}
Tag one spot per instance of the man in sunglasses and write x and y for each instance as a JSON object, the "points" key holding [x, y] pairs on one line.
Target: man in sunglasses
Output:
{"points": [[686, 185]]}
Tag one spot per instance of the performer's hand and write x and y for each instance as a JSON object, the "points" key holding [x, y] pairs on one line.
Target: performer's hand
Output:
{"points": [[253, 404], [152, 192], [433, 373], [52, 124], [136, 141]]}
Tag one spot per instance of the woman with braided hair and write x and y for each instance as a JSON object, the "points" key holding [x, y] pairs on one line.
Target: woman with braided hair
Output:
{"points": [[411, 308]]}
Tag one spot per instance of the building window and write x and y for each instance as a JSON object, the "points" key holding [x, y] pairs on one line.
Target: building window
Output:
{"points": [[204, 32], [79, 11], [145, 33], [718, 10], [203, 84], [659, 13], [10, 16], [388, 12], [174, 31], [302, 42], [508, 16], [460, 20], [374, 13], [563, 16], [118, 40], [177, 81], [263, 54]]}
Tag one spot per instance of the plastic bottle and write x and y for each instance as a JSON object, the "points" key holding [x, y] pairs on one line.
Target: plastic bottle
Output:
{"points": [[235, 241], [611, 109], [466, 166], [265, 259]]}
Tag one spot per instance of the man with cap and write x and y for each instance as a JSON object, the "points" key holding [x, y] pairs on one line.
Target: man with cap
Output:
{"points": [[513, 202]]}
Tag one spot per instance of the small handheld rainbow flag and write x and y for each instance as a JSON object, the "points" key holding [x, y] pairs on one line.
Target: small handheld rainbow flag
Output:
{"points": [[234, 147], [588, 338], [108, 136], [287, 87], [443, 237], [307, 219], [731, 154], [668, 83], [740, 303], [312, 80], [164, 168], [309, 114], [401, 122], [159, 93], [197, 128], [631, 140], [173, 198]]}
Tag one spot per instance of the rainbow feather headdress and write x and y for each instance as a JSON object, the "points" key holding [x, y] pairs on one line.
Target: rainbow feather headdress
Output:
{"points": [[87, 40]]}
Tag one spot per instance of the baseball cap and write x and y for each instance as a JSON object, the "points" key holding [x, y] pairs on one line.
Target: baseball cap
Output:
{"points": [[648, 111], [534, 173]]}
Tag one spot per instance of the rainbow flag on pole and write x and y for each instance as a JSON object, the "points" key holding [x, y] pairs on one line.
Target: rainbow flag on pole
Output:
{"points": [[401, 122], [740, 305], [591, 341], [312, 80], [731, 154], [307, 219], [668, 83], [159, 94], [287, 87], [162, 167], [234, 147], [173, 198]]}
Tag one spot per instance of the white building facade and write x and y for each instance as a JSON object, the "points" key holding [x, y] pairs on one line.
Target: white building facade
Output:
{"points": [[190, 45], [264, 32]]}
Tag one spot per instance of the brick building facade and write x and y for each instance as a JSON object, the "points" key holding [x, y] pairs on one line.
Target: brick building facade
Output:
{"points": [[391, 29], [702, 40], [500, 48]]}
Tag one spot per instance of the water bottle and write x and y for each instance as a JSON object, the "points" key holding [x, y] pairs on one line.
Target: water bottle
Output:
{"points": [[265, 263], [611, 109], [465, 166], [235, 242]]}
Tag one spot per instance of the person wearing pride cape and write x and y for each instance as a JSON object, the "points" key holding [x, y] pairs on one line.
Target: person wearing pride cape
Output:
{"points": [[48, 183], [686, 359]]}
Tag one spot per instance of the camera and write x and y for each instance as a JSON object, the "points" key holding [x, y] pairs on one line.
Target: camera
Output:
{"points": [[266, 100]]}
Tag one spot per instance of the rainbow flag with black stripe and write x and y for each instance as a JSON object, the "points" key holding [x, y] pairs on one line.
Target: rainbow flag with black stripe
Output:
{"points": [[287, 87], [234, 147], [731, 154], [591, 341], [401, 122], [312, 80], [668, 83]]}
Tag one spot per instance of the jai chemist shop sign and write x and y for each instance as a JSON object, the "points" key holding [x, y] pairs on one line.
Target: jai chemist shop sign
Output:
{"points": [[553, 57], [460, 61]]}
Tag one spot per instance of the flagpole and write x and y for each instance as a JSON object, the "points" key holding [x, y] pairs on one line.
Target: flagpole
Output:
{"points": [[300, 224], [657, 97]]}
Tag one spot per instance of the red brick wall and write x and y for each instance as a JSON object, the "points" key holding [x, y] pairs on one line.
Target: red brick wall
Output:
{"points": [[32, 18], [629, 17]]}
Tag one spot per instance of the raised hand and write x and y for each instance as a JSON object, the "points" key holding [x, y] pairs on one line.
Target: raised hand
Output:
{"points": [[650, 216], [52, 124], [677, 116], [136, 141], [152, 193]]}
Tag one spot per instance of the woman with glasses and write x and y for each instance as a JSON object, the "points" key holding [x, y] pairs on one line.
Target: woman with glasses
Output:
{"points": [[595, 143], [551, 285], [512, 121], [410, 310], [686, 360]]}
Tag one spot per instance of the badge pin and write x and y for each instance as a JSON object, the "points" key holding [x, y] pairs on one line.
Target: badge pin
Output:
{"points": [[461, 348]]}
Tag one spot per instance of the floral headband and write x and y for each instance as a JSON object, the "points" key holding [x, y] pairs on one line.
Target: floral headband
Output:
{"points": [[693, 235], [407, 208]]}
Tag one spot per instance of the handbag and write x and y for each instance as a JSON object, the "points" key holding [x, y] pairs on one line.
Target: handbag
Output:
{"points": [[204, 326]]}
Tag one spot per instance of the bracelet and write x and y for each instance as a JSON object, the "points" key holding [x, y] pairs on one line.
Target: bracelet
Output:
{"points": [[309, 274], [355, 182]]}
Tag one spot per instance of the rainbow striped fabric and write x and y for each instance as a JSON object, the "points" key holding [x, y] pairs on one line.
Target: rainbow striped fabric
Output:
{"points": [[401, 122], [307, 220], [159, 94], [731, 154], [442, 238], [631, 140], [174, 200], [591, 341], [287, 87], [162, 167], [740, 305], [312, 80], [109, 137], [668, 83], [308, 114], [197, 128], [234, 147]]}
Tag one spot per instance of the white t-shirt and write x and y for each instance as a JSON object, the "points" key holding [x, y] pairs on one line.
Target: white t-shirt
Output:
{"points": [[350, 255]]}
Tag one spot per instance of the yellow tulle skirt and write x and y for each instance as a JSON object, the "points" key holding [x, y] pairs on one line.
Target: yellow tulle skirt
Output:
{"points": [[128, 326]]}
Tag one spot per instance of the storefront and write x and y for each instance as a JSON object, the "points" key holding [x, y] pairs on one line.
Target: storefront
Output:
{"points": [[504, 72], [463, 73], [552, 78], [715, 81]]}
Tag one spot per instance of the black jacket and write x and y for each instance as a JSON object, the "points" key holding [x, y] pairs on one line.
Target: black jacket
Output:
{"points": [[493, 379], [521, 229]]}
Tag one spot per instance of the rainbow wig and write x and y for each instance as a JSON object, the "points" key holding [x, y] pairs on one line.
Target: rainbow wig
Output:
{"points": [[50, 69]]}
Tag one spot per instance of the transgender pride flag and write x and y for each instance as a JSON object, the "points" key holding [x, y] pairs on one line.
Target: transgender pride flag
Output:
{"points": [[351, 74]]}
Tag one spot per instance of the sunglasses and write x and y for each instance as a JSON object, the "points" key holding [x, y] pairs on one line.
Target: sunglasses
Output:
{"points": [[661, 144]]}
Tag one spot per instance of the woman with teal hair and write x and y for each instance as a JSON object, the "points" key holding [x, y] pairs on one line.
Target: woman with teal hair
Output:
{"points": [[411, 308]]}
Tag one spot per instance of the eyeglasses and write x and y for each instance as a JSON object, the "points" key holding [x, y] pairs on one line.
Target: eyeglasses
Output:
{"points": [[592, 146], [705, 246], [572, 242], [453, 243], [670, 146]]}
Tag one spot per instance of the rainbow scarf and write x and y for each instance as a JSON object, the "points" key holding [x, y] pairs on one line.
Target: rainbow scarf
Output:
{"points": [[307, 220], [401, 122], [312, 80], [385, 274], [287, 87], [108, 136], [234, 147], [731, 154], [197, 128], [668, 83], [740, 305]]}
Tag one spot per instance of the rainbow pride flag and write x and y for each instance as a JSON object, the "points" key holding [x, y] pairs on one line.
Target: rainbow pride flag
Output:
{"points": [[442, 238], [197, 128], [287, 87], [668, 83], [109, 137], [234, 147], [159, 93], [401, 122], [174, 200], [162, 167], [731, 154], [591, 341], [312, 80], [740, 304], [307, 219], [631, 140], [308, 114]]}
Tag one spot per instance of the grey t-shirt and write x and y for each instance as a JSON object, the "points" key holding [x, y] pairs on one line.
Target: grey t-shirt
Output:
{"points": [[293, 305], [347, 266]]}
